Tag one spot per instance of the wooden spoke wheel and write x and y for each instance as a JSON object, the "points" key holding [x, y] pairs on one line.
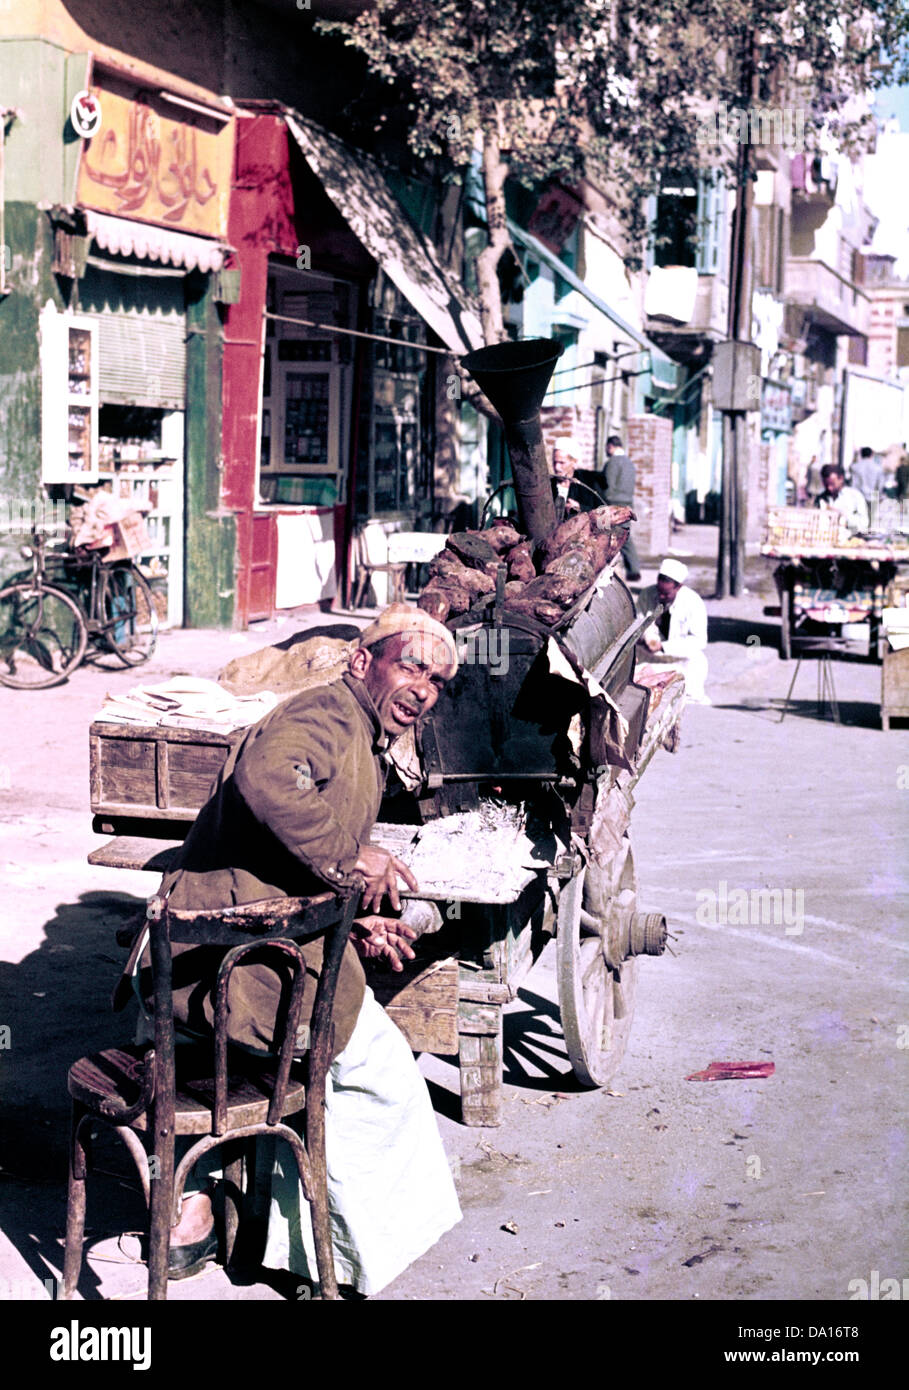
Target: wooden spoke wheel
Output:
{"points": [[598, 927]]}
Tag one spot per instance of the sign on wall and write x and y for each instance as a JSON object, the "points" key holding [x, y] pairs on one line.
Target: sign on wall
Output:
{"points": [[142, 163], [776, 407]]}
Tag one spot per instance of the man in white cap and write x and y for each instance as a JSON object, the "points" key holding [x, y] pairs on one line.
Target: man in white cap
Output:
{"points": [[292, 813], [678, 638], [572, 490]]}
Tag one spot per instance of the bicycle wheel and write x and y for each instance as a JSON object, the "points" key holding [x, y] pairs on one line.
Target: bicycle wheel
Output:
{"points": [[129, 618], [43, 636]]}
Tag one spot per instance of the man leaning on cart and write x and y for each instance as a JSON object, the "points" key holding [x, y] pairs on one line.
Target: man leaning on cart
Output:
{"points": [[291, 814]]}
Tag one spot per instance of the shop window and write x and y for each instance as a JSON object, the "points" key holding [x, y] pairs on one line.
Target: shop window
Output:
{"points": [[306, 387], [393, 476]]}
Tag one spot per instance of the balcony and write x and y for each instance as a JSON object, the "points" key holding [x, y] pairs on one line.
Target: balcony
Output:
{"points": [[827, 297], [682, 330]]}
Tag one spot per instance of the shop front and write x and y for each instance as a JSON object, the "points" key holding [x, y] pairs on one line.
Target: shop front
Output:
{"points": [[141, 244], [329, 375]]}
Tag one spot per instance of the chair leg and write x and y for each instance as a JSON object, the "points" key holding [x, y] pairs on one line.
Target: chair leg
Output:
{"points": [[75, 1204], [159, 1226]]}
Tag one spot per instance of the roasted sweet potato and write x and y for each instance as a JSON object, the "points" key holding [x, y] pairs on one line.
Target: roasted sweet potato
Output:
{"points": [[473, 550], [578, 566], [435, 603], [459, 599], [502, 536], [520, 563]]}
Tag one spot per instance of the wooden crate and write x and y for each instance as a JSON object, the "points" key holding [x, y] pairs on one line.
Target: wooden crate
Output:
{"points": [[154, 774], [894, 687], [423, 1001]]}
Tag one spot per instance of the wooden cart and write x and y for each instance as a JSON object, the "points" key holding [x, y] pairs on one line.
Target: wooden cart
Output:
{"points": [[574, 879]]}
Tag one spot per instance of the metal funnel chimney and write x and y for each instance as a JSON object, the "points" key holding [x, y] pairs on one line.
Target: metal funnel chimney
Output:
{"points": [[514, 378]]}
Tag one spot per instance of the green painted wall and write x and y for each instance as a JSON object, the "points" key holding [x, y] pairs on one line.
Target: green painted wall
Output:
{"points": [[211, 535], [28, 236], [40, 80]]}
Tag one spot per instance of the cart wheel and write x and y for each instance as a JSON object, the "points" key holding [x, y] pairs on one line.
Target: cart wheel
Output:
{"points": [[599, 937]]}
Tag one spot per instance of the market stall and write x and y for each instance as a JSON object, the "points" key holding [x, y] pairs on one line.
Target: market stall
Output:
{"points": [[833, 583]]}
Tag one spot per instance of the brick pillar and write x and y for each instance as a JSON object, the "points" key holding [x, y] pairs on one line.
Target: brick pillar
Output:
{"points": [[649, 445], [576, 422], [764, 455]]}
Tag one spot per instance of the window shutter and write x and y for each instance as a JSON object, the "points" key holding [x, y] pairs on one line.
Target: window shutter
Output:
{"points": [[141, 337], [711, 222], [142, 361]]}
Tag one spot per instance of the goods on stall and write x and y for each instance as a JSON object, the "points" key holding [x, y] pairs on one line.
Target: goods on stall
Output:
{"points": [[542, 581], [810, 526]]}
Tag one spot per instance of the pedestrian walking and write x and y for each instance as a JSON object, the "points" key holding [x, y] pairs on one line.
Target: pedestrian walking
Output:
{"points": [[618, 489]]}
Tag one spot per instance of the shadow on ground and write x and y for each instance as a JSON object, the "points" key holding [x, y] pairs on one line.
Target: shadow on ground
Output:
{"points": [[859, 714], [56, 1004]]}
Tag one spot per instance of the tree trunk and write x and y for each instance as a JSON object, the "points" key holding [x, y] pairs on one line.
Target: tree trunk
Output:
{"points": [[495, 171]]}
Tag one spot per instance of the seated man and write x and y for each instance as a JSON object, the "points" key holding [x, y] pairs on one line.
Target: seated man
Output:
{"points": [[291, 813], [573, 489], [841, 498], [679, 636]]}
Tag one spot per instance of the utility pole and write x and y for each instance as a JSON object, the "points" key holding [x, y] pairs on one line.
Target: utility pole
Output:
{"points": [[730, 578]]}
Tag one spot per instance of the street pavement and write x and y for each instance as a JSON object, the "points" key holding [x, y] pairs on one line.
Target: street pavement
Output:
{"points": [[786, 1188]]}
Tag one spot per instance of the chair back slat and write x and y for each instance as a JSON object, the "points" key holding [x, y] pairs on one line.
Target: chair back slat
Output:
{"points": [[288, 1008]]}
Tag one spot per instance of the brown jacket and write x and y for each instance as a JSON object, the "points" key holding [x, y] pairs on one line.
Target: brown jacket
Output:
{"points": [[294, 803]]}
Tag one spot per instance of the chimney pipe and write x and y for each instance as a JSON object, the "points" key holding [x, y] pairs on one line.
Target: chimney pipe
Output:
{"points": [[514, 378]]}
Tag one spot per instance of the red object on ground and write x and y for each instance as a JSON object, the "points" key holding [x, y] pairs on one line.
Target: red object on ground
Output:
{"points": [[733, 1071]]}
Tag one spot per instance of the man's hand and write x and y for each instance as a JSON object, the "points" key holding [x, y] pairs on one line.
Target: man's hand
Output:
{"points": [[381, 870], [383, 936], [651, 638]]}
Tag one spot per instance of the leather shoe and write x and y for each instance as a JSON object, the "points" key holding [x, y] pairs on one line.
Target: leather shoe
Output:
{"points": [[183, 1261]]}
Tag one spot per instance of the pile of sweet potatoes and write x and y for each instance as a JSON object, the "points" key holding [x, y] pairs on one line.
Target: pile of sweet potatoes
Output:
{"points": [[542, 580]]}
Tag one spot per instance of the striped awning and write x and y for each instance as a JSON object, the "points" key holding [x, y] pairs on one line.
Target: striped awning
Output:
{"points": [[356, 186], [121, 237]]}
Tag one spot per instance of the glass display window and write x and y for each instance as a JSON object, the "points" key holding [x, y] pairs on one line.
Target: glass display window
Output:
{"points": [[69, 398], [306, 389]]}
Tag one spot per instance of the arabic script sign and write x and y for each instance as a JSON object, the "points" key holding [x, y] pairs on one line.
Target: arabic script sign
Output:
{"points": [[144, 165]]}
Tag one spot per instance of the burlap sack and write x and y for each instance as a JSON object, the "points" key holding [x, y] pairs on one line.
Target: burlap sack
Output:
{"points": [[288, 671]]}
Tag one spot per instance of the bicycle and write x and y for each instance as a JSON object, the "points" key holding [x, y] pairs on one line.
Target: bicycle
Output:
{"points": [[46, 624]]}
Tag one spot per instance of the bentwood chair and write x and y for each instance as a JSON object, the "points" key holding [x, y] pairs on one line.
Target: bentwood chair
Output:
{"points": [[211, 1090]]}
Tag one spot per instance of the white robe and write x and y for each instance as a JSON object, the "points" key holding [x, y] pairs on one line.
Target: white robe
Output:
{"points": [[685, 647], [390, 1190]]}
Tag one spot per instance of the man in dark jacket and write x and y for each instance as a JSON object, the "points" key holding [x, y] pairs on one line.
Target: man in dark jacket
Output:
{"points": [[573, 489], [291, 813], [618, 487]]}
